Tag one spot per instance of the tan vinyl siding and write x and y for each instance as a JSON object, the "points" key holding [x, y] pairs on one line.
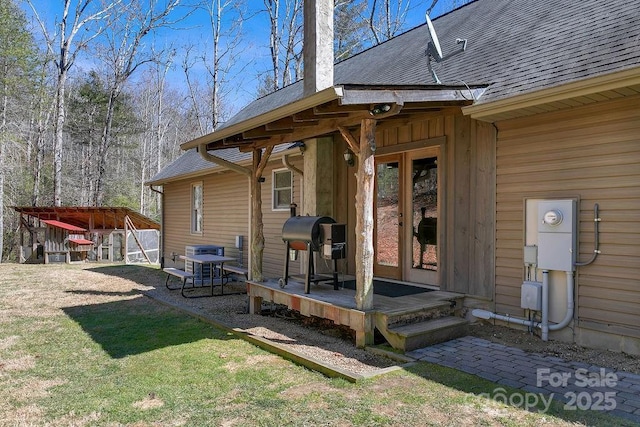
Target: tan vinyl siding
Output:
{"points": [[274, 256], [225, 202], [592, 153], [226, 215]]}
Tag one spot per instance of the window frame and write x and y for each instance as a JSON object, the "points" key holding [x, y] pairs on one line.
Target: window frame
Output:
{"points": [[275, 190], [197, 227]]}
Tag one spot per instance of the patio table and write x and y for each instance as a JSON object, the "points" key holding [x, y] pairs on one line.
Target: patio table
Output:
{"points": [[212, 261]]}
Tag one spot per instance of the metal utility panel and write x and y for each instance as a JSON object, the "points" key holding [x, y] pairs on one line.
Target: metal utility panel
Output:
{"points": [[557, 234], [202, 275], [531, 296]]}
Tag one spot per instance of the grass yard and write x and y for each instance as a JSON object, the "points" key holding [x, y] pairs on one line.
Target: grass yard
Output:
{"points": [[82, 348]]}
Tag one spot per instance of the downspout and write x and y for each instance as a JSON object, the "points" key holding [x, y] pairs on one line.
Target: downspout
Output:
{"points": [[202, 149], [288, 165], [161, 243]]}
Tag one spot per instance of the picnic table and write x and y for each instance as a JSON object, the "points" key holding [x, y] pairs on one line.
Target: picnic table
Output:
{"points": [[213, 261]]}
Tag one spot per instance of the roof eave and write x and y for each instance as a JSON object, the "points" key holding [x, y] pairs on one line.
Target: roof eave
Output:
{"points": [[489, 110], [216, 168], [348, 95], [316, 99]]}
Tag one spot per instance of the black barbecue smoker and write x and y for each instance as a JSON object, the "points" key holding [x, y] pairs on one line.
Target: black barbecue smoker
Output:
{"points": [[314, 234]]}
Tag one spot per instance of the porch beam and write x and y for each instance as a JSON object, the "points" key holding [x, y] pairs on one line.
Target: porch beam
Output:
{"points": [[349, 139], [288, 123]]}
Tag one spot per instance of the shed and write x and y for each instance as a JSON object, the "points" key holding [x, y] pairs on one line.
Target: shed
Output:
{"points": [[107, 234], [64, 242]]}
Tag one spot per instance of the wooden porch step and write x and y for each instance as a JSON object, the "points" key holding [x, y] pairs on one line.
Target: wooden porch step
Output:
{"points": [[417, 335], [416, 314]]}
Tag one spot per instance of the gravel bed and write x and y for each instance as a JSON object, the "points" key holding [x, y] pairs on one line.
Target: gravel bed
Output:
{"points": [[327, 345], [330, 346]]}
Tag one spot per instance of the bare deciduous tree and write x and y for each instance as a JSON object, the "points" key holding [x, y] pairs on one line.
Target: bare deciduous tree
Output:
{"points": [[225, 25], [124, 54], [285, 43], [64, 44]]}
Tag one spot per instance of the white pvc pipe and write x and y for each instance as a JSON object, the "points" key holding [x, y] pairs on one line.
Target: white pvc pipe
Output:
{"points": [[544, 324], [487, 315], [545, 305], [570, 305]]}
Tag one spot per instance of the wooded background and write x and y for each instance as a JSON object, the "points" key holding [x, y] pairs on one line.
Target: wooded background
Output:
{"points": [[95, 100]]}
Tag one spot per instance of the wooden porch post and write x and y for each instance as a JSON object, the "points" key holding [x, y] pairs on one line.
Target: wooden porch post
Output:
{"points": [[257, 227], [364, 228], [364, 216]]}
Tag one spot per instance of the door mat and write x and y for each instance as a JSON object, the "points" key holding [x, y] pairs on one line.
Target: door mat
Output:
{"points": [[389, 289]]}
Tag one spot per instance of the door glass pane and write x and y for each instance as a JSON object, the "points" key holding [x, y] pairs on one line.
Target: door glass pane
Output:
{"points": [[387, 208], [424, 202]]}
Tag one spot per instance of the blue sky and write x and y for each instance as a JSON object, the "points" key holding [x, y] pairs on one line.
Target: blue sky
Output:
{"points": [[251, 60]]}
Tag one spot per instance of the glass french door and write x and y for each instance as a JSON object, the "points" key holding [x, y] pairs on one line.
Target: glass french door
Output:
{"points": [[422, 264], [388, 223], [406, 217]]}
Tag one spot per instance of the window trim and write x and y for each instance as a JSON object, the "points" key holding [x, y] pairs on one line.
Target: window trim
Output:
{"points": [[274, 189], [193, 211]]}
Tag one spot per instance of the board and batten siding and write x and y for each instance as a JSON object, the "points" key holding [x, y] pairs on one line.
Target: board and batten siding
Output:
{"points": [[226, 206], [467, 192], [591, 153]]}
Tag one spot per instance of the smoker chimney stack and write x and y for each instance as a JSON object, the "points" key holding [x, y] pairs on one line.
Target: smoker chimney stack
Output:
{"points": [[318, 45]]}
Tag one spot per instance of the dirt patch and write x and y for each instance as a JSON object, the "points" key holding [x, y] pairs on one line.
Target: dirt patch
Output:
{"points": [[36, 389], [149, 402], [23, 363], [254, 361]]}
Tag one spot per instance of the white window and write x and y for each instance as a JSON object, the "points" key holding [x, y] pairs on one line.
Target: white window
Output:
{"points": [[196, 208], [282, 189]]}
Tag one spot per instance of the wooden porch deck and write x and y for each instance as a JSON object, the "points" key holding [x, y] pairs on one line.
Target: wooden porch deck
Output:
{"points": [[340, 306]]}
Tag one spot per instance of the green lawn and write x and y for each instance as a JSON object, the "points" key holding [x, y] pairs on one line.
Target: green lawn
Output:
{"points": [[82, 348]]}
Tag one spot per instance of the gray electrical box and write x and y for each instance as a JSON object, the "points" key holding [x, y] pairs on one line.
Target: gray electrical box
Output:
{"points": [[557, 235], [531, 296], [531, 255]]}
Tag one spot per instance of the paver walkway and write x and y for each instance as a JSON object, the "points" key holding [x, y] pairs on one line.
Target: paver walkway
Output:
{"points": [[578, 385]]}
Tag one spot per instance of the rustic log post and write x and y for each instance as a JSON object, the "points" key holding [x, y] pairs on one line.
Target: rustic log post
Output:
{"points": [[364, 216], [260, 161]]}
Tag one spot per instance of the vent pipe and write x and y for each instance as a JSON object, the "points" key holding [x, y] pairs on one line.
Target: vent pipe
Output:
{"points": [[318, 45]]}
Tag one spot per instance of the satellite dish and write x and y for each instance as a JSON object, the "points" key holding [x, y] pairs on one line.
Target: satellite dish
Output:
{"points": [[434, 39], [434, 51]]}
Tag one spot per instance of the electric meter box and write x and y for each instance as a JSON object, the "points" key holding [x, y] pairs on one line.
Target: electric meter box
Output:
{"points": [[557, 235]]}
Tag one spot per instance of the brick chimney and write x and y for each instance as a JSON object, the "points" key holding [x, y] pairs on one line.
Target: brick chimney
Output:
{"points": [[318, 45]]}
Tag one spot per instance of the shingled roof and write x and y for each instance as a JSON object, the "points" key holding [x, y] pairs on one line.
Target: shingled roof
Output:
{"points": [[514, 47]]}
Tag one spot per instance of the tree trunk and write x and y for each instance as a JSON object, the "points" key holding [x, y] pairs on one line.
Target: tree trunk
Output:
{"points": [[105, 142], [58, 139], [257, 227], [364, 216], [3, 133]]}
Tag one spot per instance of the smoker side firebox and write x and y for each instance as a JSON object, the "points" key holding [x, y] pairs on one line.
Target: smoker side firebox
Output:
{"points": [[314, 234]]}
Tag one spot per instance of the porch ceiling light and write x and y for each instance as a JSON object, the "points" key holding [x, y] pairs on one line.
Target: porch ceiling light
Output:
{"points": [[349, 157]]}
